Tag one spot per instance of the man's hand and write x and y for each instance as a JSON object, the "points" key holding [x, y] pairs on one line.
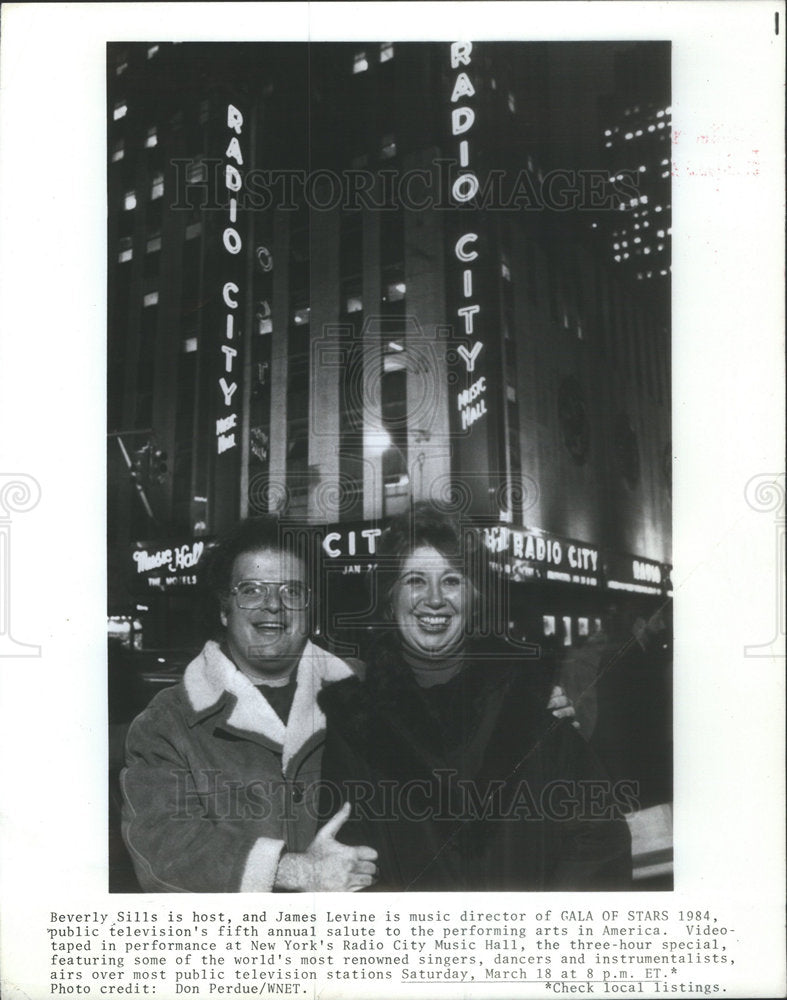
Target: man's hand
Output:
{"points": [[562, 706], [326, 865]]}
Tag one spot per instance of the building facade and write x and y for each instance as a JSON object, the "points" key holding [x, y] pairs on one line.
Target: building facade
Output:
{"points": [[347, 277]]}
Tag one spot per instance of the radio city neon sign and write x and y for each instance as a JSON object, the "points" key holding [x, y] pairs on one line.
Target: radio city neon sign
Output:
{"points": [[470, 402], [231, 239]]}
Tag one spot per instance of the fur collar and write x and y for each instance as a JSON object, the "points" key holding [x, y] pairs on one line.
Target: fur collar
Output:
{"points": [[211, 676]]}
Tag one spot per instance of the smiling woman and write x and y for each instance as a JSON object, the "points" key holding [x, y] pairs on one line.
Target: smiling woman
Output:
{"points": [[460, 776]]}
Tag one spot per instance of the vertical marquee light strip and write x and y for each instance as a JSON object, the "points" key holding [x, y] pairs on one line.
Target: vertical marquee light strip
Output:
{"points": [[473, 392], [229, 363]]}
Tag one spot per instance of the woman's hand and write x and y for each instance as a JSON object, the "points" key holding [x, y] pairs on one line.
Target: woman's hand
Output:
{"points": [[326, 865], [562, 706]]}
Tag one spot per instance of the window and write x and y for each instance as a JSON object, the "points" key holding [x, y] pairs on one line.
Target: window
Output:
{"points": [[360, 62], [189, 345], [152, 50], [386, 51], [121, 67], [196, 172], [505, 270], [395, 291], [129, 200], [387, 147], [511, 393], [118, 150], [152, 138], [301, 316], [157, 186], [151, 299], [125, 249], [120, 110], [193, 230], [153, 244], [511, 102]]}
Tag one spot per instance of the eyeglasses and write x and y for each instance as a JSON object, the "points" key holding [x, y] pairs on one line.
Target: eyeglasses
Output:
{"points": [[251, 594]]}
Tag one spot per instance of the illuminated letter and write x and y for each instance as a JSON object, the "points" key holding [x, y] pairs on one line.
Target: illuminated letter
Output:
{"points": [[467, 312], [232, 178], [371, 534], [467, 279], [229, 289], [461, 120], [465, 187], [230, 353], [230, 328], [334, 536], [469, 356], [233, 151], [459, 249], [462, 87], [232, 240], [234, 118], [460, 54], [227, 390]]}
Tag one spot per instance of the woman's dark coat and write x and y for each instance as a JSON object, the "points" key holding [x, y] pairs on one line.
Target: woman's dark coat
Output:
{"points": [[472, 785]]}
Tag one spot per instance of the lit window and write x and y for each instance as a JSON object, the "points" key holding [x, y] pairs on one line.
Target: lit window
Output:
{"points": [[353, 304], [643, 199], [189, 345], [153, 245], [583, 626], [626, 256], [196, 172], [659, 114], [616, 246], [608, 145], [662, 273], [660, 247], [493, 83], [660, 233], [669, 232], [639, 276], [548, 624], [120, 110], [152, 138], [125, 250], [624, 244], [511, 393], [511, 102], [617, 256], [665, 163], [645, 225], [151, 299], [629, 135], [580, 334], [638, 132], [566, 630], [395, 292], [301, 316], [646, 250], [193, 230], [386, 51], [129, 200], [651, 128], [642, 168], [118, 151], [657, 208], [505, 270], [360, 63], [668, 111], [388, 147], [152, 50], [665, 174], [121, 68], [633, 202], [607, 132], [157, 186], [636, 225], [660, 125], [637, 239]]}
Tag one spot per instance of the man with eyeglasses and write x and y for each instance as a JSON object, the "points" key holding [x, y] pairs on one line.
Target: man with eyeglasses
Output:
{"points": [[222, 777]]}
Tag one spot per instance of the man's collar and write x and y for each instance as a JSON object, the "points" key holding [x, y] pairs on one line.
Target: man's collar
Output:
{"points": [[211, 676]]}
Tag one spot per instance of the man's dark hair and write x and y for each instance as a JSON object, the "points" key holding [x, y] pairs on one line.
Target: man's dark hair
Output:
{"points": [[248, 535]]}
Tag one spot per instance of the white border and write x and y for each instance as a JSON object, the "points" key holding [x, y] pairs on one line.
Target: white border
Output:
{"points": [[728, 213]]}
